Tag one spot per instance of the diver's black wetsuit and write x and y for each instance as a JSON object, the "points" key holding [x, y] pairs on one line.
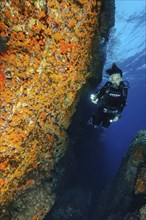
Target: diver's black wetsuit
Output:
{"points": [[112, 99]]}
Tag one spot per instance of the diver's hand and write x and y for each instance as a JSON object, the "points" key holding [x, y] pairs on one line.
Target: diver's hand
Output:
{"points": [[115, 119], [92, 96], [94, 99]]}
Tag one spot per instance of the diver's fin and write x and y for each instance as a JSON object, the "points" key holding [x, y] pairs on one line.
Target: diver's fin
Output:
{"points": [[89, 122]]}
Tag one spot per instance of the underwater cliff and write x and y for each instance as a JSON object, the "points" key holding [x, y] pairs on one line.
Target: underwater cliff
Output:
{"points": [[49, 51], [125, 198]]}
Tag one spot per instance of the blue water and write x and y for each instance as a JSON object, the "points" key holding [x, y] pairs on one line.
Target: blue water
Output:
{"points": [[127, 48]]}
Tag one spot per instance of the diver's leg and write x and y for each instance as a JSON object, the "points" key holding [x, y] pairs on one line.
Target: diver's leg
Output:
{"points": [[106, 120], [97, 118], [89, 122]]}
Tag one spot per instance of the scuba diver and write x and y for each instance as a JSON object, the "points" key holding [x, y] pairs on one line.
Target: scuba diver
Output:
{"points": [[110, 99]]}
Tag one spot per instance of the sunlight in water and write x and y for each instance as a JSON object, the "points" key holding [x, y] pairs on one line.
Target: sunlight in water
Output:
{"points": [[126, 45]]}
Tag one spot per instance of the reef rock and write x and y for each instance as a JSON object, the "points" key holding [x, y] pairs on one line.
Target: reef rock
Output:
{"points": [[125, 199], [46, 54], [73, 204]]}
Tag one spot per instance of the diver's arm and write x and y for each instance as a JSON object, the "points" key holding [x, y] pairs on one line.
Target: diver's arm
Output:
{"points": [[96, 97], [102, 91], [117, 115], [120, 111], [123, 104], [125, 92]]}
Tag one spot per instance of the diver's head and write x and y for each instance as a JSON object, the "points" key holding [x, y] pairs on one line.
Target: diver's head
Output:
{"points": [[114, 69], [115, 78]]}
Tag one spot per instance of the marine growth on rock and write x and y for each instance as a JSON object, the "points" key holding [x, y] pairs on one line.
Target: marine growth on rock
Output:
{"points": [[41, 72]]}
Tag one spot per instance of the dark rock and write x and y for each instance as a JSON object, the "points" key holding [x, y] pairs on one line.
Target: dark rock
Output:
{"points": [[3, 44], [73, 204], [105, 22], [121, 201]]}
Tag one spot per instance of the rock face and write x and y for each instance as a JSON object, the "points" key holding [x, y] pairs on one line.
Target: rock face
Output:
{"points": [[125, 199], [73, 204], [46, 58]]}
